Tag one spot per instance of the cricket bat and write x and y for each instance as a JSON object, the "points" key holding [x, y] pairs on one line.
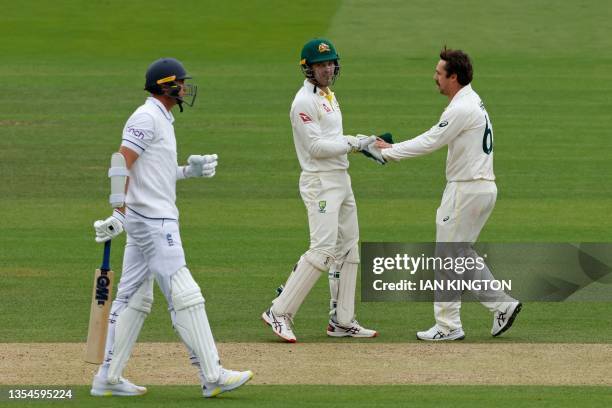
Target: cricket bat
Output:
{"points": [[101, 300]]}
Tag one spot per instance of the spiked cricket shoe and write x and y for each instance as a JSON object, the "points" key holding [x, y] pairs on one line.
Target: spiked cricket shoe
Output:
{"points": [[436, 333], [281, 325], [124, 388], [502, 321], [228, 381], [353, 329]]}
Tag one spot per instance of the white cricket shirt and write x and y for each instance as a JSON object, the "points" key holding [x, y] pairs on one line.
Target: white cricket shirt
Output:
{"points": [[152, 187], [317, 130], [466, 128]]}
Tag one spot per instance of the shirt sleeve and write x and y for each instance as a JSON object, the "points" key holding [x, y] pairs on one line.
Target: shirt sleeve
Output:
{"points": [[138, 132], [304, 118], [451, 124]]}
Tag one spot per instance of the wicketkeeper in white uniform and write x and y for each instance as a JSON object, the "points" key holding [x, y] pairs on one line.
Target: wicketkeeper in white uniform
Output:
{"points": [[143, 191], [325, 187], [470, 194]]}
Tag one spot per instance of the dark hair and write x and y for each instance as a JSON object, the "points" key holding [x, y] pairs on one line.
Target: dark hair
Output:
{"points": [[457, 62]]}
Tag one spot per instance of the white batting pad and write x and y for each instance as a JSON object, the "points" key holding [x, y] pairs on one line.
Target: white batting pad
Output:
{"points": [[127, 328], [299, 284], [334, 286], [191, 323], [345, 307]]}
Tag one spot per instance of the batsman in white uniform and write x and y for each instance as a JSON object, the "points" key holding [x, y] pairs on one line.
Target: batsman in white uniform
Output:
{"points": [[143, 191], [325, 187], [470, 194]]}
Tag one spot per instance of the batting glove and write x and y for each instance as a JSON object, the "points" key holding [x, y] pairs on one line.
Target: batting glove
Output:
{"points": [[199, 166], [110, 227], [357, 144]]}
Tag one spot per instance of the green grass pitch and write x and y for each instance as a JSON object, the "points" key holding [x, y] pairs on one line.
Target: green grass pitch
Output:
{"points": [[72, 72]]}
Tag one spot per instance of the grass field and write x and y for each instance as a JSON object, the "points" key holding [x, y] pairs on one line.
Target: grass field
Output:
{"points": [[351, 396], [73, 72]]}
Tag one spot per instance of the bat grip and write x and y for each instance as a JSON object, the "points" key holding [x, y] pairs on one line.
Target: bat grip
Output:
{"points": [[106, 258]]}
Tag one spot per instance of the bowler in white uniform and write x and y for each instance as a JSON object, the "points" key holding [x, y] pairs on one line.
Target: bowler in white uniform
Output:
{"points": [[470, 194]]}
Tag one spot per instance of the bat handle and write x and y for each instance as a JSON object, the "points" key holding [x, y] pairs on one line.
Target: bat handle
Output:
{"points": [[106, 258]]}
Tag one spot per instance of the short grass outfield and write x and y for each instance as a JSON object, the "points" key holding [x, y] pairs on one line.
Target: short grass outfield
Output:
{"points": [[73, 72], [356, 396]]}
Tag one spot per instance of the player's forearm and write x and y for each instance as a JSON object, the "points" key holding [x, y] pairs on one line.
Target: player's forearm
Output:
{"points": [[419, 146], [324, 149]]}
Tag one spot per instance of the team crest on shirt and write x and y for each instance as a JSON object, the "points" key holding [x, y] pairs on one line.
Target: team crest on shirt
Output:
{"points": [[305, 118], [322, 206], [327, 108]]}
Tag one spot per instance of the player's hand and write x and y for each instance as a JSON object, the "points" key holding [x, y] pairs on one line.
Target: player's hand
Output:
{"points": [[201, 166], [110, 227], [357, 144], [381, 144], [373, 152]]}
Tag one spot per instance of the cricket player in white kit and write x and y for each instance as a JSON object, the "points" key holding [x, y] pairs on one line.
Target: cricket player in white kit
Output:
{"points": [[145, 206], [470, 194], [325, 187]]}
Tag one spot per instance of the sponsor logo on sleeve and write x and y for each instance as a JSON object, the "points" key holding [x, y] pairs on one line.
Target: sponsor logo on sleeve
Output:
{"points": [[137, 133], [443, 123], [305, 118]]}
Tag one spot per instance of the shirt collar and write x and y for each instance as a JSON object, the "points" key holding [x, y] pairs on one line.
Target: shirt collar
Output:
{"points": [[168, 115], [462, 92], [310, 88]]}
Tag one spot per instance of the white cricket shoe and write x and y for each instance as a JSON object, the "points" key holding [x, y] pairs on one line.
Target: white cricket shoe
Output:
{"points": [[436, 333], [502, 321], [228, 380], [281, 325], [353, 329], [102, 388]]}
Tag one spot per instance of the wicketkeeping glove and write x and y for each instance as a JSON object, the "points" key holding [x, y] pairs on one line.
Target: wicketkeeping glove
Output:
{"points": [[200, 166], [110, 227], [357, 144], [374, 153]]}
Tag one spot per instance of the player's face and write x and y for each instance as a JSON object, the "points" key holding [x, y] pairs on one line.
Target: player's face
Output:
{"points": [[442, 81], [181, 83], [324, 72]]}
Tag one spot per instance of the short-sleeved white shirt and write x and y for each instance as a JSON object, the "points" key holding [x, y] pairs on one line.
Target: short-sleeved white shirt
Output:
{"points": [[152, 186], [317, 130], [465, 126]]}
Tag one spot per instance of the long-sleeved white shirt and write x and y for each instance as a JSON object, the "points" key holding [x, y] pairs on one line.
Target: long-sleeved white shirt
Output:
{"points": [[316, 121], [466, 128]]}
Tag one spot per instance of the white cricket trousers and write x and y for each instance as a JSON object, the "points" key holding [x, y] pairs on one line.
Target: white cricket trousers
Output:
{"points": [[153, 250], [332, 212], [462, 214]]}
